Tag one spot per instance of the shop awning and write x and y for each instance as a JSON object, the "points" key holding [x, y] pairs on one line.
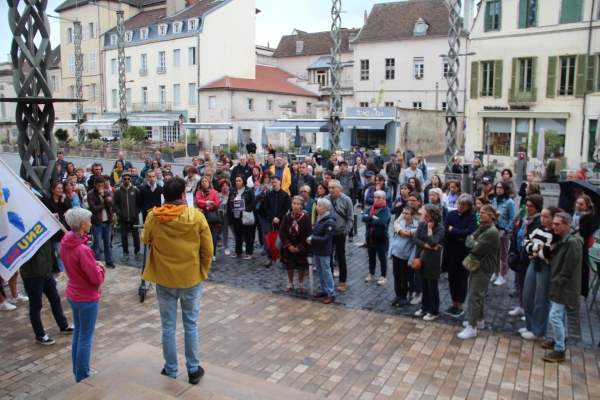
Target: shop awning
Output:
{"points": [[207, 125], [377, 124], [290, 126], [99, 124], [149, 122], [65, 123]]}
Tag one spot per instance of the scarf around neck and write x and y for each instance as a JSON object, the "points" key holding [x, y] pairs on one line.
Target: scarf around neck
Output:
{"points": [[294, 229], [482, 228]]}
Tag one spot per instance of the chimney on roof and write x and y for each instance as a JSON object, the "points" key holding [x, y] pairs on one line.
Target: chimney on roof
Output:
{"points": [[190, 2], [351, 37], [365, 18], [174, 6], [299, 44]]}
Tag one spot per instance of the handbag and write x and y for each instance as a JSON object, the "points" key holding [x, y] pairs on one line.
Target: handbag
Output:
{"points": [[214, 217], [417, 262], [247, 218], [472, 265]]}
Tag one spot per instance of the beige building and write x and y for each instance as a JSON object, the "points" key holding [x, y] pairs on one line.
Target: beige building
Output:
{"points": [[535, 67]]}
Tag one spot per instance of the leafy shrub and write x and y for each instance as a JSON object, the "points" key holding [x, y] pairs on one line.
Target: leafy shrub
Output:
{"points": [[93, 135], [137, 133], [73, 144], [554, 142], [61, 135], [279, 149], [164, 150], [128, 143], [179, 147], [233, 147], [291, 146], [97, 144], [384, 149], [326, 154]]}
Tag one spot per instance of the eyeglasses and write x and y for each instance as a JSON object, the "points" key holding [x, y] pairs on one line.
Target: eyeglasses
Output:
{"points": [[126, 179], [406, 213]]}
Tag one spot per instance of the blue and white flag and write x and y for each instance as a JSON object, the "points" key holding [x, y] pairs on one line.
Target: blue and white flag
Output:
{"points": [[25, 223]]}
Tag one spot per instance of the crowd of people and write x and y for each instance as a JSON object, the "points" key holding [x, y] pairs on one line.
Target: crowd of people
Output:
{"points": [[302, 212]]}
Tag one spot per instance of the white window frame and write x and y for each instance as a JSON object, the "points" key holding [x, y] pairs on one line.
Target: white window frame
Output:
{"points": [[193, 24], [128, 36], [363, 104], [71, 65], [144, 62], [418, 68], [113, 39], [177, 26], [69, 35], [144, 33], [446, 71], [84, 62], [113, 66], [128, 97], [212, 102], [92, 61], [193, 94], [176, 94], [162, 94], [250, 104], [269, 105], [128, 64], [54, 84], [144, 95], [93, 31], [308, 108], [163, 29], [162, 59], [192, 56], [390, 69], [388, 104], [417, 105], [114, 98], [176, 57]]}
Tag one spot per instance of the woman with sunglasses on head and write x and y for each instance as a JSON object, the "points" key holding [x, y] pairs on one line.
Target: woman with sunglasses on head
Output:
{"points": [[508, 211]]}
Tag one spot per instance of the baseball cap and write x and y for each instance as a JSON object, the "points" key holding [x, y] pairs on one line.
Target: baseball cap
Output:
{"points": [[369, 173], [487, 179], [393, 155]]}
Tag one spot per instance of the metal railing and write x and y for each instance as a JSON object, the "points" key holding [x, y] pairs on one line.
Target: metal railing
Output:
{"points": [[144, 71], [161, 70], [151, 107]]}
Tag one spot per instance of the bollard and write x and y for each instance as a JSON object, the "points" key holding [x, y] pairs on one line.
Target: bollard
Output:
{"points": [[355, 227], [467, 184]]}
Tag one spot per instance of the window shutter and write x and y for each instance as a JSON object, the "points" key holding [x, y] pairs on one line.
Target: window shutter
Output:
{"points": [[523, 13], [498, 79], [67, 36], [500, 17], [591, 73], [512, 91], [533, 85], [551, 82], [93, 30], [570, 11], [474, 79], [580, 81]]}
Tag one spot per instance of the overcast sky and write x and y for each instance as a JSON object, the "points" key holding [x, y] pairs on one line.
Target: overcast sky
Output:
{"points": [[277, 18]]}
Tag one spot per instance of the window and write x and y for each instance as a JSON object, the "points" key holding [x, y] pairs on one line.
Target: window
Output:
{"points": [[145, 95], [54, 84], [269, 105], [176, 95], [162, 62], [170, 133], [113, 39], [420, 28], [71, 65], [144, 33], [492, 15], [144, 62], [176, 54], [388, 104], [192, 93], [127, 64], [521, 135], [192, 23], [418, 67], [527, 13], [250, 104], [148, 130], [71, 92], [192, 56], [390, 68], [69, 35], [92, 30], [113, 66], [162, 30], [92, 61], [571, 11], [364, 70], [500, 135], [418, 105], [162, 94], [363, 104], [92, 92], [85, 32], [447, 71], [308, 108], [177, 27], [128, 98], [487, 79], [212, 102], [84, 62], [322, 75], [128, 36], [559, 127], [567, 76], [525, 74], [114, 98]]}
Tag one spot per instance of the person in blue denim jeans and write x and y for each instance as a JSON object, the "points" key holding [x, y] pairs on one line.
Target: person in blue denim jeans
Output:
{"points": [[565, 283], [321, 241], [100, 202], [181, 251]]}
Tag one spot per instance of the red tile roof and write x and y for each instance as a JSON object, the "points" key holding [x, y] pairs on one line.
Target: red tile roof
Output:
{"points": [[268, 79]]}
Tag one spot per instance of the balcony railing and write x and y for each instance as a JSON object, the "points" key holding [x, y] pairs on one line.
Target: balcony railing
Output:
{"points": [[161, 70], [143, 71], [151, 107], [516, 96]]}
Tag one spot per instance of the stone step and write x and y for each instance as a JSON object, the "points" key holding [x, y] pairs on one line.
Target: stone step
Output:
{"points": [[134, 372]]}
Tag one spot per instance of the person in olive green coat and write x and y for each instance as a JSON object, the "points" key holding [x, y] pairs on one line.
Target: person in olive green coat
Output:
{"points": [[483, 245]]}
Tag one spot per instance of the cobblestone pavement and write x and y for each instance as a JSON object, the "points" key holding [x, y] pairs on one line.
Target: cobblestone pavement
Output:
{"points": [[335, 352]]}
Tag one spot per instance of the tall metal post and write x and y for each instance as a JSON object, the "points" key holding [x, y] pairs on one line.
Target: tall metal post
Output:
{"points": [[121, 62], [335, 107], [78, 77], [406, 141], [453, 84]]}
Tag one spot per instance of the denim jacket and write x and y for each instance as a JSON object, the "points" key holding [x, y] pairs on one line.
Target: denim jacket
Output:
{"points": [[509, 212], [404, 247]]}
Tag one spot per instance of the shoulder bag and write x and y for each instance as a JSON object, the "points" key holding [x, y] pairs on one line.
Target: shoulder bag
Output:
{"points": [[214, 217], [472, 265], [417, 262]]}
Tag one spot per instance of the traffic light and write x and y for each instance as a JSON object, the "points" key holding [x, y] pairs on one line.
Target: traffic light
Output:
{"points": [[520, 167], [521, 156]]}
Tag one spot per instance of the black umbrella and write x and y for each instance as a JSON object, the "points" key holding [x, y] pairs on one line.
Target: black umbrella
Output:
{"points": [[354, 137], [571, 190], [297, 140]]}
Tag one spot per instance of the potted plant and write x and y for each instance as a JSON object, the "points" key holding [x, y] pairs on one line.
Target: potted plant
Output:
{"points": [[490, 170], [167, 154], [97, 147], [384, 150], [325, 154], [279, 149], [193, 149], [233, 150], [179, 150], [73, 147]]}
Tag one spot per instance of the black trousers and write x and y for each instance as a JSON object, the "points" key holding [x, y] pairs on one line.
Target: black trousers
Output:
{"points": [[243, 233], [126, 226], [393, 183], [403, 276], [459, 286], [339, 242], [35, 287]]}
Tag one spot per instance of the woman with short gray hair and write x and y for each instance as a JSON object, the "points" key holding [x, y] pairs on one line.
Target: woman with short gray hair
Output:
{"points": [[321, 241]]}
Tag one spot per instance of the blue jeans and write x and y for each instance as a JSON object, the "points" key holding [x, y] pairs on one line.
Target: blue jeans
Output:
{"points": [[378, 250], [325, 275], [214, 232], [84, 319], [558, 320], [61, 266], [190, 308], [535, 299], [431, 297], [416, 284], [102, 232]]}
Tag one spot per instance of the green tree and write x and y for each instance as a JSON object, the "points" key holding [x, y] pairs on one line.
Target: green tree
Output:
{"points": [[61, 135], [93, 135], [136, 133], [554, 142]]}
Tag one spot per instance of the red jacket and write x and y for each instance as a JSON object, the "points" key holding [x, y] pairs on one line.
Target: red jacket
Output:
{"points": [[213, 197], [581, 175], [85, 277]]}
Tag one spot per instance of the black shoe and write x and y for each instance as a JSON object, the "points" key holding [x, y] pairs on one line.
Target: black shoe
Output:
{"points": [[110, 265], [549, 344], [554, 356], [394, 303], [450, 311], [68, 330], [194, 377], [44, 341], [457, 312], [164, 372]]}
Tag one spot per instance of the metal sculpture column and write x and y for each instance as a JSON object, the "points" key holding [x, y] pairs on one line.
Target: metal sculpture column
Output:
{"points": [[453, 84], [78, 77], [121, 61], [335, 107]]}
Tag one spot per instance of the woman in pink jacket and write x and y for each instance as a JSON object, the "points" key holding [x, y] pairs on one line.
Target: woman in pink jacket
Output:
{"points": [[83, 287], [207, 199]]}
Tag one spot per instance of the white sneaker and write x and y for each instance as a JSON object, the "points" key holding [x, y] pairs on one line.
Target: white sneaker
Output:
{"points": [[494, 277], [500, 281], [416, 300], [430, 317], [468, 333], [369, 278], [523, 318], [382, 281], [530, 336], [6, 306], [522, 330], [480, 324], [227, 252], [419, 313], [516, 312], [19, 299]]}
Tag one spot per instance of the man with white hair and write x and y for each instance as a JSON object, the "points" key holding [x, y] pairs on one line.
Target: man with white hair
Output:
{"points": [[126, 164], [412, 172], [283, 172], [343, 212]]}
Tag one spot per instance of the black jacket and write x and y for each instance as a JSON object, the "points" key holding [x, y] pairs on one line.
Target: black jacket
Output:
{"points": [[251, 148], [40, 264], [276, 204], [147, 199], [249, 201], [311, 182], [96, 206], [90, 182], [60, 208], [125, 203], [322, 236], [239, 170]]}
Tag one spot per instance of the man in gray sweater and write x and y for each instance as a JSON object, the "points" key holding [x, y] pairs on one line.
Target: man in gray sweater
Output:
{"points": [[343, 211]]}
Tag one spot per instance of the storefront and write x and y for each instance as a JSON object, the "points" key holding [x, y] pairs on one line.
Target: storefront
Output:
{"points": [[283, 131]]}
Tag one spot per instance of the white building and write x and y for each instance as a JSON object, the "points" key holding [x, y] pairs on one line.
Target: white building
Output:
{"points": [[535, 67]]}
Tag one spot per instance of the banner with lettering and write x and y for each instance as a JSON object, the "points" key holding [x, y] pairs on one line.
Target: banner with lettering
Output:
{"points": [[25, 223]]}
